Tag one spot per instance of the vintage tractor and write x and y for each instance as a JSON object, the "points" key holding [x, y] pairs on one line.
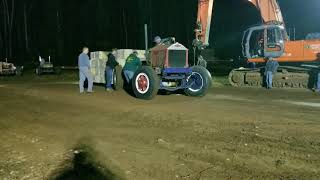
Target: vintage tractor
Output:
{"points": [[168, 69], [46, 67], [7, 69]]}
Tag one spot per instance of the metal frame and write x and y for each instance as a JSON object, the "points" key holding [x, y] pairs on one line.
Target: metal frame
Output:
{"points": [[172, 74], [181, 74], [248, 34], [47, 70]]}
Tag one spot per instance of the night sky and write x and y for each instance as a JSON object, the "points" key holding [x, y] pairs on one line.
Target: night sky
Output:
{"points": [[60, 28]]}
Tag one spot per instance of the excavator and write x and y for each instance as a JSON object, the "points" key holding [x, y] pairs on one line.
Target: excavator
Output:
{"points": [[270, 39]]}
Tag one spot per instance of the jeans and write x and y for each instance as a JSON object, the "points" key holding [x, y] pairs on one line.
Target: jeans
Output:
{"points": [[84, 73], [109, 77], [128, 75], [269, 76], [318, 82]]}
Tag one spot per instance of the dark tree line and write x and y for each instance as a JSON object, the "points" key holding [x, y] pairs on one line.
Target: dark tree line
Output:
{"points": [[8, 14], [59, 28]]}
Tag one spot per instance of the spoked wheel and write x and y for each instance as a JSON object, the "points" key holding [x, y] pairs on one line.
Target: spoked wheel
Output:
{"points": [[145, 83], [199, 82], [142, 83]]}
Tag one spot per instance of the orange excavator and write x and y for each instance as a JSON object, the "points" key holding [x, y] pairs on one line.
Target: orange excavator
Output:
{"points": [[270, 39]]}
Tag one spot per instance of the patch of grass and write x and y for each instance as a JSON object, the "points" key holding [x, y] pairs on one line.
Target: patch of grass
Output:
{"points": [[221, 81]]}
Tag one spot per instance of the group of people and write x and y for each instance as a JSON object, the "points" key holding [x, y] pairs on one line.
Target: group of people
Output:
{"points": [[133, 63]]}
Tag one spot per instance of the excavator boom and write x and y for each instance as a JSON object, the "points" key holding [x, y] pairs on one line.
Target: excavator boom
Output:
{"points": [[270, 39], [269, 10], [204, 20]]}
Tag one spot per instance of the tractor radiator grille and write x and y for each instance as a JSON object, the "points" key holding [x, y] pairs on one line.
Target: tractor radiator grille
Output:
{"points": [[177, 58]]}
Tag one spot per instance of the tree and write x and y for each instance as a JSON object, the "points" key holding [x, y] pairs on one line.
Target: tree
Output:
{"points": [[27, 6], [9, 11]]}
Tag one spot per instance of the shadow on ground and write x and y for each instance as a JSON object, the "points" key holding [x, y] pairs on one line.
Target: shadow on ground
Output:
{"points": [[83, 166]]}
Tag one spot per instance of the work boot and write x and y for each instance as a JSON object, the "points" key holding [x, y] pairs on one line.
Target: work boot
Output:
{"points": [[109, 90]]}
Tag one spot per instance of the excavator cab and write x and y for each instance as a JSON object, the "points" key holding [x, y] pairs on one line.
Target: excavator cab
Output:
{"points": [[263, 41]]}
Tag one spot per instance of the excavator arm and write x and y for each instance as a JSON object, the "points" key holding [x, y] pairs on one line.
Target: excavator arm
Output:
{"points": [[204, 21], [269, 10]]}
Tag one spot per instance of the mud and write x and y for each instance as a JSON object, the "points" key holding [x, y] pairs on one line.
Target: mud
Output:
{"points": [[232, 133]]}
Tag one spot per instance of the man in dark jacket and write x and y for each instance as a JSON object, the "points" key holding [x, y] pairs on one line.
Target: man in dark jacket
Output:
{"points": [[133, 63], [110, 66], [271, 68]]}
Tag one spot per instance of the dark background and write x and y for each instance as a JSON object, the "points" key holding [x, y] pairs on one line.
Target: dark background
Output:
{"points": [[60, 28]]}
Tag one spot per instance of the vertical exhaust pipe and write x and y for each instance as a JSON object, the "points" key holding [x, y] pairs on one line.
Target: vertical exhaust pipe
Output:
{"points": [[146, 36], [146, 41]]}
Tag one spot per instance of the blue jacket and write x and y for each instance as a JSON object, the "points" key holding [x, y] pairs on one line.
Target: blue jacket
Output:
{"points": [[83, 60], [272, 66]]}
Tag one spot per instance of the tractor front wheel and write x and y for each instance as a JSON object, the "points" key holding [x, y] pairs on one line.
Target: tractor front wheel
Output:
{"points": [[199, 82], [145, 83]]}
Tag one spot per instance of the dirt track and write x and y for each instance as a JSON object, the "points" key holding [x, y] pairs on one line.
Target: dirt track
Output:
{"points": [[49, 131]]}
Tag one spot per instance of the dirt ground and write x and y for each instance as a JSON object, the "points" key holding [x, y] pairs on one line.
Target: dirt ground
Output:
{"points": [[49, 131]]}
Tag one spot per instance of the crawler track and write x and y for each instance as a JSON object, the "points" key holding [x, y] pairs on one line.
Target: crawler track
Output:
{"points": [[286, 77]]}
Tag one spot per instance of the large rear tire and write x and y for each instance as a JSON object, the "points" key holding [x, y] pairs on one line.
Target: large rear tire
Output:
{"points": [[145, 83], [117, 78], [200, 82]]}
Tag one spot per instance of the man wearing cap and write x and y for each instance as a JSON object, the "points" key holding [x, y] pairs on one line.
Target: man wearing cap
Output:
{"points": [[110, 66], [270, 69], [133, 63], [84, 70], [166, 41], [157, 40]]}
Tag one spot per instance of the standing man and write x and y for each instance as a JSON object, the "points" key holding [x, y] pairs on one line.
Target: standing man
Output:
{"points": [[133, 63], [84, 70], [317, 89], [110, 66], [271, 68]]}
